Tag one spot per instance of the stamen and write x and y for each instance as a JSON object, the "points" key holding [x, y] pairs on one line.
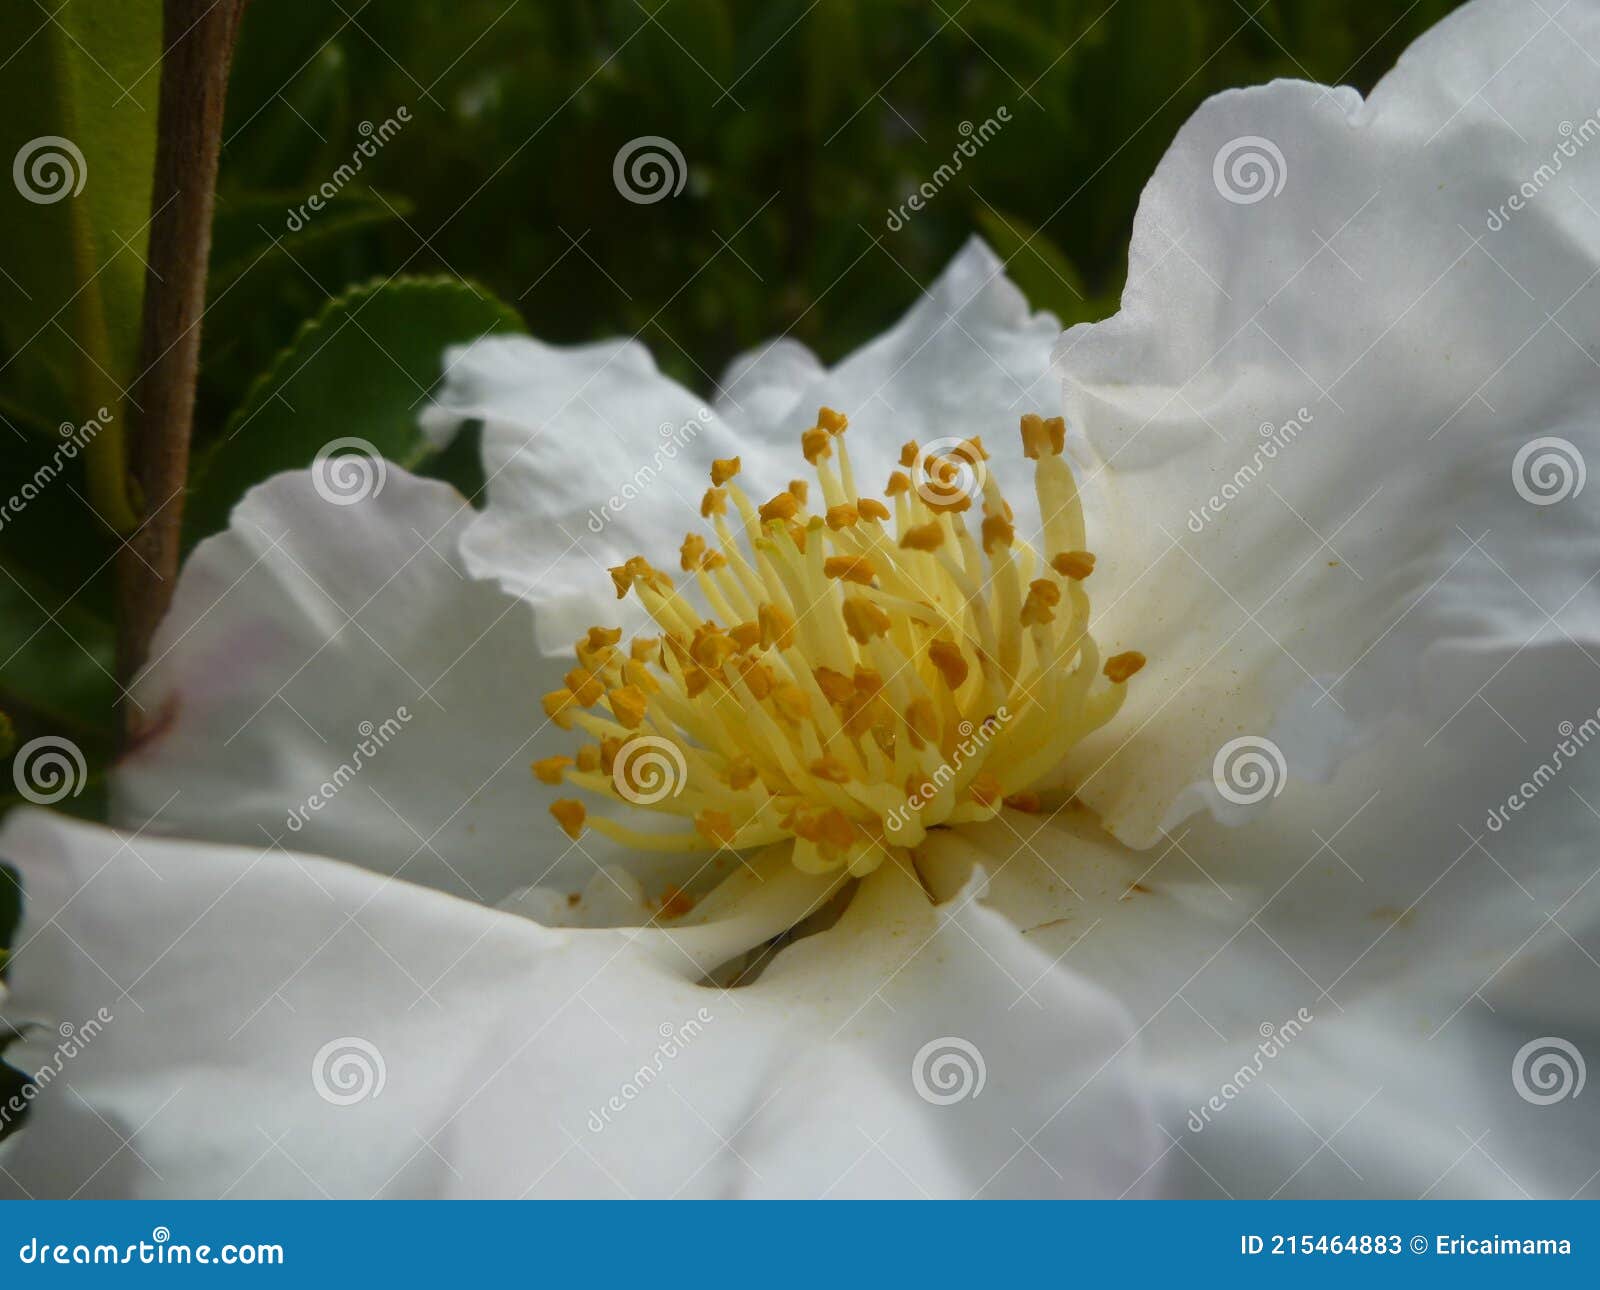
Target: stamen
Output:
{"points": [[856, 685]]}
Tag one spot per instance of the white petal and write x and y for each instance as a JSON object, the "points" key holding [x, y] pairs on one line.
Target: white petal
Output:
{"points": [[1379, 556], [1425, 949], [762, 385], [519, 1060], [329, 677], [593, 456]]}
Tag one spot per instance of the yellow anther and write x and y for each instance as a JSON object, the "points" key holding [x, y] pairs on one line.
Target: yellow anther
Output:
{"points": [[758, 676], [644, 648], [715, 502], [910, 450], [638, 674], [799, 490], [585, 686], [692, 554], [872, 509], [816, 444], [831, 421], [842, 516], [864, 620], [1076, 565], [742, 772], [836, 687], [777, 628], [558, 707], [570, 815], [548, 769], [899, 482], [628, 705], [711, 647], [716, 827], [745, 635], [831, 769], [851, 568], [1039, 607], [952, 664], [984, 789], [997, 531], [782, 507], [923, 537], [588, 758], [1043, 437], [723, 469], [1119, 667]]}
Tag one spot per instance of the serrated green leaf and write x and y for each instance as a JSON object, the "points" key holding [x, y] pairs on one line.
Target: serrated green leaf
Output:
{"points": [[79, 125], [362, 368]]}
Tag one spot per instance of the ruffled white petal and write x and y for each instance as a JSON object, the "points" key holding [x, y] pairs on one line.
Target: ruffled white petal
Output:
{"points": [[1425, 948], [485, 1055], [594, 456], [1308, 421], [330, 679]]}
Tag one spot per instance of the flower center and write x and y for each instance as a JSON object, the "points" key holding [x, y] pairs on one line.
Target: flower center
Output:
{"points": [[867, 676]]}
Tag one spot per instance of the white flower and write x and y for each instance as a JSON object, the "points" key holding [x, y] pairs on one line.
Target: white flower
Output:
{"points": [[1372, 647]]}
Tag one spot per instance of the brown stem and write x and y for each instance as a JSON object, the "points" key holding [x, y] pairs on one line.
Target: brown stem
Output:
{"points": [[194, 79]]}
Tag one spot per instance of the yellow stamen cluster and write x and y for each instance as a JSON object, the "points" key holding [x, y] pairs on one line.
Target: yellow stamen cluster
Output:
{"points": [[868, 673]]}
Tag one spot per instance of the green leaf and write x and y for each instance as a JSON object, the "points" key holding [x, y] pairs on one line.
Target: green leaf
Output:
{"points": [[253, 230], [78, 120], [362, 368], [55, 660], [1040, 268]]}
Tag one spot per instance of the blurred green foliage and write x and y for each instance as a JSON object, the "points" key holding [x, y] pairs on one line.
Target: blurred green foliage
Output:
{"points": [[802, 125]]}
